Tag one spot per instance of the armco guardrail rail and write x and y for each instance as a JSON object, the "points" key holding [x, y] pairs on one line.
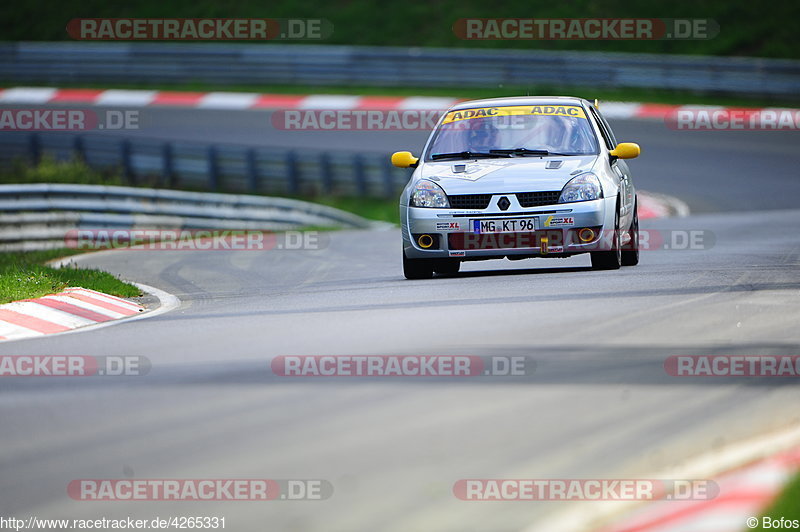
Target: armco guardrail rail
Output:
{"points": [[38, 216], [214, 167], [253, 64]]}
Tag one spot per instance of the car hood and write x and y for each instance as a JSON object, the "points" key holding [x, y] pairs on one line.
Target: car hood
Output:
{"points": [[517, 174]]}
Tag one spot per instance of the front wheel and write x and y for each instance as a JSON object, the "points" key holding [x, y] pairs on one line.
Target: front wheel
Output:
{"points": [[612, 259], [417, 268]]}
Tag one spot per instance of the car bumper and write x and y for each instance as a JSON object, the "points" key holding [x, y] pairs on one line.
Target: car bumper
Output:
{"points": [[556, 229]]}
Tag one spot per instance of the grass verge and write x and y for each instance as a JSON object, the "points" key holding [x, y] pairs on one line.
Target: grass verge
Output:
{"points": [[24, 275], [51, 171], [785, 506], [381, 209]]}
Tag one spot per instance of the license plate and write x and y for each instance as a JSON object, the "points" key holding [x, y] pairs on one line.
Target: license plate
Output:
{"points": [[503, 225]]}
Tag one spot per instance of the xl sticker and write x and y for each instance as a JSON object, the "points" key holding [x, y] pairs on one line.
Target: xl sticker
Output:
{"points": [[448, 226], [559, 221], [573, 111]]}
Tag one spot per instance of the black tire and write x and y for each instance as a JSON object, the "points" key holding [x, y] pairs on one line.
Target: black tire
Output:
{"points": [[447, 266], [417, 268], [612, 259], [630, 253]]}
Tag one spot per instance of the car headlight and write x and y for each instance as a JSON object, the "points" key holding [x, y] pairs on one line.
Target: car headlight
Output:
{"points": [[585, 187], [429, 194]]}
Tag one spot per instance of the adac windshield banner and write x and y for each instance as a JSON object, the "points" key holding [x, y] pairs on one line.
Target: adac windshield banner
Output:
{"points": [[570, 111]]}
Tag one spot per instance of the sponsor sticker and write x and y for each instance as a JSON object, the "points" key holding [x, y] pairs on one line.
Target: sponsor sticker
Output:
{"points": [[457, 253], [559, 221], [448, 226], [572, 111]]}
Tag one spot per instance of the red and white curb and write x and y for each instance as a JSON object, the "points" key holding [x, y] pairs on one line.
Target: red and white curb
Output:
{"points": [[743, 495], [750, 473], [67, 310], [245, 100], [217, 100], [653, 205]]}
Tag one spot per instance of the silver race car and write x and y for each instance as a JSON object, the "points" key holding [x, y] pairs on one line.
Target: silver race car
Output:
{"points": [[518, 178]]}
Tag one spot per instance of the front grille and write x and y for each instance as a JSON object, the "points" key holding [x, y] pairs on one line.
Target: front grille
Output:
{"points": [[470, 201], [523, 240], [526, 199], [537, 199]]}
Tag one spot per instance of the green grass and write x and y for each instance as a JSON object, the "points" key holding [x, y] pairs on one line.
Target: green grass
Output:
{"points": [[787, 505], [603, 94], [24, 275], [382, 209], [746, 27], [51, 171]]}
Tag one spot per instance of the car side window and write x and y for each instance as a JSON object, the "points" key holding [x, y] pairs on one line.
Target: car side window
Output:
{"points": [[604, 129], [608, 130]]}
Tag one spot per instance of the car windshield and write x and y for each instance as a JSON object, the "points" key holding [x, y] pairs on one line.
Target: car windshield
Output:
{"points": [[522, 130]]}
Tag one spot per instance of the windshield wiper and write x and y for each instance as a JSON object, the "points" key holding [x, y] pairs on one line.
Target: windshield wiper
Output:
{"points": [[525, 151], [467, 155]]}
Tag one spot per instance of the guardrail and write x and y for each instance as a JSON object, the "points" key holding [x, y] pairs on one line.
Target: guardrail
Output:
{"points": [[214, 167], [39, 216], [263, 64]]}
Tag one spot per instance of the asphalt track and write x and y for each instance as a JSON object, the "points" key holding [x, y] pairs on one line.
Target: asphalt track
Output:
{"points": [[599, 403]]}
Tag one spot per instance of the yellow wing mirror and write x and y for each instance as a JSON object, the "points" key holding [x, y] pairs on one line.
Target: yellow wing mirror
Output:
{"points": [[626, 150], [404, 159]]}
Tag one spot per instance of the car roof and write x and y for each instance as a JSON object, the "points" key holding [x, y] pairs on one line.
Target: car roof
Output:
{"points": [[521, 100]]}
